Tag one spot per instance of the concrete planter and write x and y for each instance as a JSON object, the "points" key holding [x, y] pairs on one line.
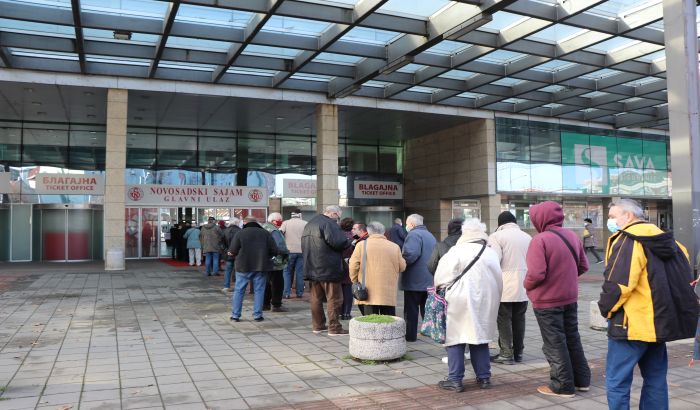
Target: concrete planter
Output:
{"points": [[378, 341]]}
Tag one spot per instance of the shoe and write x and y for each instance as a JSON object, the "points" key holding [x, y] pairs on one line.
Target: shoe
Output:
{"points": [[279, 309], [341, 332], [599, 262], [547, 391], [286, 296], [226, 290], [518, 358], [583, 388], [300, 296], [503, 360], [267, 307], [234, 319], [456, 387], [484, 383], [323, 329], [191, 264], [259, 319]]}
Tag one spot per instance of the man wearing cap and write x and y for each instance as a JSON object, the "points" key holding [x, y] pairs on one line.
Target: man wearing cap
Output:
{"points": [[510, 244], [211, 238]]}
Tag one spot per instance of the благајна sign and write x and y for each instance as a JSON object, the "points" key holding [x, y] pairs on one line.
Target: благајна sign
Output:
{"points": [[193, 195], [299, 188], [378, 190], [70, 184]]}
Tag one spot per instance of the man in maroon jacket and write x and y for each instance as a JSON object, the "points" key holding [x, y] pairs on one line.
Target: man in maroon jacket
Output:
{"points": [[555, 259]]}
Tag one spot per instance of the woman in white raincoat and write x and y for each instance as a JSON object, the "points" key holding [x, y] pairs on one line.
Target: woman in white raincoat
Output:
{"points": [[472, 304]]}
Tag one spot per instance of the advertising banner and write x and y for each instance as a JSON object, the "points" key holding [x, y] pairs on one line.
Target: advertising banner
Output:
{"points": [[5, 183], [299, 188], [378, 190], [70, 184], [196, 195]]}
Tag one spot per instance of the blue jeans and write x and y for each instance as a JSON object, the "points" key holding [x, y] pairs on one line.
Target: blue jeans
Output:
{"points": [[623, 356], [479, 357], [227, 273], [242, 278], [294, 265], [211, 259]]}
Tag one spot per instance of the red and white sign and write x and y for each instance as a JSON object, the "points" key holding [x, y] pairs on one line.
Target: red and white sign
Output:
{"points": [[5, 183], [70, 184], [299, 188], [378, 190], [196, 195]]}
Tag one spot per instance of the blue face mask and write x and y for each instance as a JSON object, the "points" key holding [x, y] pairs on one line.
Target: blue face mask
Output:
{"points": [[612, 225]]}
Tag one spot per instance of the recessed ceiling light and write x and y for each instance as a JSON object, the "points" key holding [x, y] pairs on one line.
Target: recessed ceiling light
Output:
{"points": [[307, 128], [37, 103], [280, 118], [93, 132], [122, 34]]}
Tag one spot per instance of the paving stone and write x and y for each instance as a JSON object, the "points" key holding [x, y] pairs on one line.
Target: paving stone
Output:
{"points": [[235, 404]]}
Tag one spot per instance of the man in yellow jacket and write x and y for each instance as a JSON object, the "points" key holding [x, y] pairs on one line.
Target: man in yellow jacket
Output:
{"points": [[648, 301]]}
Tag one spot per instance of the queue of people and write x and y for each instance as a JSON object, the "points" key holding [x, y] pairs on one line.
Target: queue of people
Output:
{"points": [[489, 282]]}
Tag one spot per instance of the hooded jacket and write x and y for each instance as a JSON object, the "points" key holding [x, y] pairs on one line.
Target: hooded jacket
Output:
{"points": [[552, 271], [646, 293], [322, 244]]}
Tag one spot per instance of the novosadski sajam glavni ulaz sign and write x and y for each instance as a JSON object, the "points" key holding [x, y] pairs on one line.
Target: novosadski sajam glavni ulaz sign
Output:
{"points": [[196, 195]]}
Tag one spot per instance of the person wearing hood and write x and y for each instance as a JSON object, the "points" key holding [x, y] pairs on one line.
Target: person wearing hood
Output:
{"points": [[510, 243], [472, 303], [416, 279], [252, 249], [648, 301], [211, 238], [454, 232], [555, 259]]}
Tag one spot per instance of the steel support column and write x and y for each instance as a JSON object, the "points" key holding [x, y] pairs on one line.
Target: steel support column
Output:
{"points": [[683, 109]]}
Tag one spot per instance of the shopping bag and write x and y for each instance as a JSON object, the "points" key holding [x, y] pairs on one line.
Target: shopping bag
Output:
{"points": [[435, 321]]}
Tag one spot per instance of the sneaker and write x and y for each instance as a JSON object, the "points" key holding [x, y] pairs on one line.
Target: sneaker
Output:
{"points": [[484, 383], [259, 319], [279, 309], [583, 388], [286, 296], [235, 319], [503, 360], [225, 290], [321, 330], [450, 385], [547, 391], [300, 296], [518, 358], [341, 332], [600, 262]]}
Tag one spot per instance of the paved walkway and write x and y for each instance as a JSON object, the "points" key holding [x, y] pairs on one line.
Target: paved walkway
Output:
{"points": [[156, 336]]}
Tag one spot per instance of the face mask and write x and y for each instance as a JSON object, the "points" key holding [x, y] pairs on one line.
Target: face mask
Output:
{"points": [[277, 223], [408, 228], [612, 225]]}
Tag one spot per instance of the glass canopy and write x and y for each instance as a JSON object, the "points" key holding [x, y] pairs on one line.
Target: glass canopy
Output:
{"points": [[557, 58]]}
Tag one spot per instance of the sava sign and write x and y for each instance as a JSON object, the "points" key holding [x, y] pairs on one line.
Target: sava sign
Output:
{"points": [[378, 190], [196, 195], [70, 184], [299, 188]]}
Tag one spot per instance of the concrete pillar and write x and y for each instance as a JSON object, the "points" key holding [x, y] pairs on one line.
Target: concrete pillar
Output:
{"points": [[326, 156], [114, 223], [680, 35]]}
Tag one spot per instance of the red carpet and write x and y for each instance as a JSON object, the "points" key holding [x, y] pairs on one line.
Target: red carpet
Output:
{"points": [[175, 263]]}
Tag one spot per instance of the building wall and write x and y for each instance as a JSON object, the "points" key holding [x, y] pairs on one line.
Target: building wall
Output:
{"points": [[459, 162]]}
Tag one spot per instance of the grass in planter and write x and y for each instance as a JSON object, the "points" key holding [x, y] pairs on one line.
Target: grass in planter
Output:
{"points": [[376, 319]]}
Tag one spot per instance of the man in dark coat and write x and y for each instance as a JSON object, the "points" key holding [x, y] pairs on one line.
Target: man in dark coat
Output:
{"points": [[397, 233], [454, 231], [322, 244], [175, 240], [229, 233], [253, 249]]}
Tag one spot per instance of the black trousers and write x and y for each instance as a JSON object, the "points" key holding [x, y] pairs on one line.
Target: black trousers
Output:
{"points": [[379, 310], [413, 301], [568, 367], [347, 299], [592, 250], [511, 328], [274, 288]]}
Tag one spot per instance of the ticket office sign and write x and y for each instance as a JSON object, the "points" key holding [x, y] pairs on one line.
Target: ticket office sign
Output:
{"points": [[378, 190], [196, 195], [70, 184], [299, 188]]}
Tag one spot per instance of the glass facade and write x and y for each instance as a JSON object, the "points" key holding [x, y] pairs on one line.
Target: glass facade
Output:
{"points": [[538, 157]]}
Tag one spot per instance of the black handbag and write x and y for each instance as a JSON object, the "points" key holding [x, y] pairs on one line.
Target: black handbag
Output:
{"points": [[359, 290]]}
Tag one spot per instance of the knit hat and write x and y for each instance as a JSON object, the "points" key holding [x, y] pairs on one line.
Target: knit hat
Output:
{"points": [[506, 217], [454, 226]]}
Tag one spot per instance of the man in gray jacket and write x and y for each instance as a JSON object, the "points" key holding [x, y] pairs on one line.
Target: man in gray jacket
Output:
{"points": [[211, 238], [292, 230], [416, 279]]}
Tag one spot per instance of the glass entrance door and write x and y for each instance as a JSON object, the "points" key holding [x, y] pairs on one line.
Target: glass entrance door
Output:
{"points": [[142, 236], [70, 234]]}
